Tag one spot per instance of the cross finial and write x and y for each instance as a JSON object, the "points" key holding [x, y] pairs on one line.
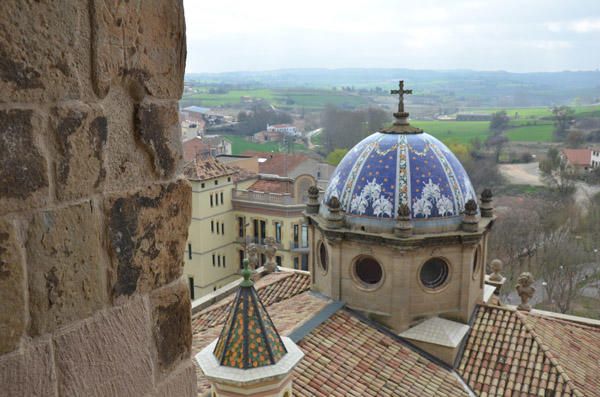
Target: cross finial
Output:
{"points": [[401, 91]]}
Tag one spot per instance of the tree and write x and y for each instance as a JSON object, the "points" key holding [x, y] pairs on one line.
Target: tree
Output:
{"points": [[345, 128], [336, 156], [497, 142], [499, 122], [556, 173], [563, 116], [575, 138], [562, 268]]}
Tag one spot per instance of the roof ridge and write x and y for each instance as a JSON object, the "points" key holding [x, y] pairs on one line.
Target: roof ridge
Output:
{"points": [[548, 354], [574, 323]]}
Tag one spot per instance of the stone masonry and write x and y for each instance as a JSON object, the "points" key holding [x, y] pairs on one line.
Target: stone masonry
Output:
{"points": [[93, 214]]}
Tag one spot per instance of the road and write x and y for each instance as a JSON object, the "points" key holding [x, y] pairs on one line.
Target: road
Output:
{"points": [[522, 174], [310, 134]]}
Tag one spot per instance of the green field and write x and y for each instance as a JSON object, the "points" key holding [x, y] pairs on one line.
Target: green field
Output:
{"points": [[531, 133], [310, 99], [240, 144], [455, 131], [533, 113]]}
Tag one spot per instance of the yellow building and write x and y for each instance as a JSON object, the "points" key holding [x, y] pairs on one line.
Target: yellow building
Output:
{"points": [[231, 208]]}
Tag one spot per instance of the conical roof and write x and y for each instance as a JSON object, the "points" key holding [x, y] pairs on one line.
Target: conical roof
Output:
{"points": [[248, 339]]}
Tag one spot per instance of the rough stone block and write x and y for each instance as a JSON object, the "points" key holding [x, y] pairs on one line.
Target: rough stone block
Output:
{"points": [[161, 50], [157, 127], [107, 355], [129, 162], [67, 281], [171, 315], [80, 135], [12, 288], [23, 169], [29, 372], [147, 232], [140, 41], [43, 50], [180, 383]]}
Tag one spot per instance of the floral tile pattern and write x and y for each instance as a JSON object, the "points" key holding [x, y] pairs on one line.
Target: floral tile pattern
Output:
{"points": [[384, 171]]}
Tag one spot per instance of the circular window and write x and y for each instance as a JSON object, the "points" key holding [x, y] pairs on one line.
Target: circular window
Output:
{"points": [[434, 273], [323, 257], [368, 270]]}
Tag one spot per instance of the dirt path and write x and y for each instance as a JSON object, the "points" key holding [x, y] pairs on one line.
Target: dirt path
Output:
{"points": [[522, 174]]}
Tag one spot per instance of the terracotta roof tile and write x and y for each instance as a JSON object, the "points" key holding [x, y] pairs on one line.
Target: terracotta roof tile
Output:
{"points": [[513, 353], [206, 167], [279, 163], [271, 186], [581, 157], [345, 357], [193, 148]]}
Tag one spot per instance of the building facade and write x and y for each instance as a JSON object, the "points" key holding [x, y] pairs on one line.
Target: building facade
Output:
{"points": [[229, 212]]}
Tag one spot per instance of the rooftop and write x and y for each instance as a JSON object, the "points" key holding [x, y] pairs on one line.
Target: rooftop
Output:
{"points": [[506, 352], [206, 167], [194, 147], [279, 163], [272, 186], [580, 157]]}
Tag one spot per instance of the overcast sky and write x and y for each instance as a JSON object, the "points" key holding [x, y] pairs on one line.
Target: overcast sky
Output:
{"points": [[512, 35]]}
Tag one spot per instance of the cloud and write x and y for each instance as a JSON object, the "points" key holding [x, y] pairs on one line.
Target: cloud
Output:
{"points": [[586, 25]]}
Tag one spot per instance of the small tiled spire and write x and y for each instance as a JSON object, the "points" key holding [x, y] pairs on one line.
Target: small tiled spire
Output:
{"points": [[248, 339]]}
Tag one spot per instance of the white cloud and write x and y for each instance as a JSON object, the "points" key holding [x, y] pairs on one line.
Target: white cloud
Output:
{"points": [[586, 25]]}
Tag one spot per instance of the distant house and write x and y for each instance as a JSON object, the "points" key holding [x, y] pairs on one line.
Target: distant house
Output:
{"points": [[201, 114], [582, 159], [286, 129], [473, 117], [292, 166], [268, 136]]}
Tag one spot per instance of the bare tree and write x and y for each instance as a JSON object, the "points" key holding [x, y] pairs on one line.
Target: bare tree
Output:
{"points": [[562, 268], [556, 173]]}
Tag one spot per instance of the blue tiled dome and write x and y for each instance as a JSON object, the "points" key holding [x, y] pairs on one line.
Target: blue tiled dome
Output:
{"points": [[386, 170]]}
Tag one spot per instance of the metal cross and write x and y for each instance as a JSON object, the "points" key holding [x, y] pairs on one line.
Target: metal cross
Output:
{"points": [[401, 91]]}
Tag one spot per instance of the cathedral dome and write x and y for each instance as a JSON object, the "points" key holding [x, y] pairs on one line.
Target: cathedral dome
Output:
{"points": [[388, 169]]}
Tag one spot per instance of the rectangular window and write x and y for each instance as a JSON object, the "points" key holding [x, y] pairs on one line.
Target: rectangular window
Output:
{"points": [[296, 235], [222, 228], [255, 229], [212, 226], [216, 181], [263, 231], [214, 259], [240, 226], [296, 262], [222, 198], [228, 179], [263, 260], [191, 281], [219, 260], [305, 262], [224, 260], [278, 260], [202, 185], [304, 241], [278, 232], [241, 257], [189, 251], [217, 227], [211, 200]]}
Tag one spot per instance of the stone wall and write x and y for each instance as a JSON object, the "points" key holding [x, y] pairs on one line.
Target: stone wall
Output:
{"points": [[93, 216]]}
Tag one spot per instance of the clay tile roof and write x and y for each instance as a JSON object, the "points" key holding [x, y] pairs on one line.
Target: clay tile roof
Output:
{"points": [[347, 357], [278, 163], [271, 186], [193, 148], [581, 157], [512, 353], [206, 167]]}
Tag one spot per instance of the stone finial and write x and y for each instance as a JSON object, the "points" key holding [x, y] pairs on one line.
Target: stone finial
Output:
{"points": [[487, 209], [470, 221], [526, 290], [270, 250], [335, 219], [495, 279], [312, 207], [252, 254], [496, 266], [403, 227]]}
